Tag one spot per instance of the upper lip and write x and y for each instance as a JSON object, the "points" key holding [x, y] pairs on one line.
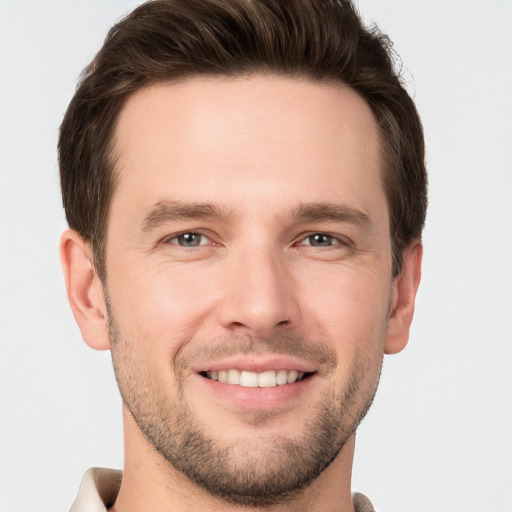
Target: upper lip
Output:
{"points": [[257, 364]]}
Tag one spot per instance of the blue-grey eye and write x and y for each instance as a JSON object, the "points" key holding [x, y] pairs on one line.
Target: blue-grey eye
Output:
{"points": [[190, 239], [320, 240]]}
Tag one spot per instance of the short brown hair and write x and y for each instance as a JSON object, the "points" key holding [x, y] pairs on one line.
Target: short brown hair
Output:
{"points": [[169, 40]]}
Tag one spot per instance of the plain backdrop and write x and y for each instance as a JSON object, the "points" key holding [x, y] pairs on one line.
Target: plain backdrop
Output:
{"points": [[439, 434]]}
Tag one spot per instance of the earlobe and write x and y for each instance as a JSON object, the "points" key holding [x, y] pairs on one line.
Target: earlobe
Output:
{"points": [[84, 290], [403, 300]]}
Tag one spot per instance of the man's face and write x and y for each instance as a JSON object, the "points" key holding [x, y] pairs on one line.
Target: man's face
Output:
{"points": [[248, 240]]}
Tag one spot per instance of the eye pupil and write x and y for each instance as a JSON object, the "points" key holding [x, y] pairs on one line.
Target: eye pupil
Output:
{"points": [[320, 240], [189, 239]]}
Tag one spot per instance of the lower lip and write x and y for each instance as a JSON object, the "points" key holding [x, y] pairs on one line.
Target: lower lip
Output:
{"points": [[260, 398]]}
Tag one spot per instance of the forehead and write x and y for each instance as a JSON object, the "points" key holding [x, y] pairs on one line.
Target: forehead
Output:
{"points": [[239, 140]]}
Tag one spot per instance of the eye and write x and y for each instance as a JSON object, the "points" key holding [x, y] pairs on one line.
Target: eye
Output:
{"points": [[320, 240], [189, 239]]}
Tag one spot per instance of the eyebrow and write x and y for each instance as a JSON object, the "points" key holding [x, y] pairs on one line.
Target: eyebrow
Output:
{"points": [[168, 211], [331, 212]]}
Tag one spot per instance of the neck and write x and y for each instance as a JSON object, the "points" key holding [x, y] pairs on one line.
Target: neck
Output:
{"points": [[151, 483]]}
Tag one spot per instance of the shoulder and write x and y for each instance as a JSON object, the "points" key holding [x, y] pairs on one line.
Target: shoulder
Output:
{"points": [[362, 503]]}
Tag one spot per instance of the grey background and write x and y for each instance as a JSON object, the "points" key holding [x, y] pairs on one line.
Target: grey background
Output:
{"points": [[438, 436]]}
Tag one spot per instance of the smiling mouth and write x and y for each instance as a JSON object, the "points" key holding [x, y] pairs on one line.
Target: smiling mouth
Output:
{"points": [[267, 379]]}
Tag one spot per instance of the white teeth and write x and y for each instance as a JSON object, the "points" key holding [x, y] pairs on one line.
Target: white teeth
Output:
{"points": [[268, 379], [233, 377], [282, 377], [292, 376], [249, 379]]}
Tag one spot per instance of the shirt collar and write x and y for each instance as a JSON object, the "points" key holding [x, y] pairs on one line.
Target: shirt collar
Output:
{"points": [[99, 488]]}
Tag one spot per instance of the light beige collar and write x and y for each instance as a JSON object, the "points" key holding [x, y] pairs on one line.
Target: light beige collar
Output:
{"points": [[99, 488]]}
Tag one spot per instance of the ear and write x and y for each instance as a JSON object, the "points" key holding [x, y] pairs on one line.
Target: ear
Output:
{"points": [[405, 287], [85, 290]]}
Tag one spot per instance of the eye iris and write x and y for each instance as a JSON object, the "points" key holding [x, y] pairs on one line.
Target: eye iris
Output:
{"points": [[189, 239], [320, 240]]}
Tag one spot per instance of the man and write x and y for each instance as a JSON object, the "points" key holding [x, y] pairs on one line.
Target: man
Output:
{"points": [[245, 188]]}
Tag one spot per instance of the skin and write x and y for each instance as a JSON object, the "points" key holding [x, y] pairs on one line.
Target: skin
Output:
{"points": [[256, 150]]}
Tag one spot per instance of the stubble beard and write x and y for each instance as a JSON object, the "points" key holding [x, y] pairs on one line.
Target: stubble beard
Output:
{"points": [[246, 472]]}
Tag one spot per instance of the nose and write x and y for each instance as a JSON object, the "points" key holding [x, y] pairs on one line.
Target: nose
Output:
{"points": [[259, 294]]}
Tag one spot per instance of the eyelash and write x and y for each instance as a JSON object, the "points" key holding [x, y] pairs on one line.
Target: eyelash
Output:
{"points": [[335, 240], [168, 240]]}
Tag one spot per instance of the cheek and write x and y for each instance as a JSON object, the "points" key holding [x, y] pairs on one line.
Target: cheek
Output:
{"points": [[162, 304], [350, 308]]}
